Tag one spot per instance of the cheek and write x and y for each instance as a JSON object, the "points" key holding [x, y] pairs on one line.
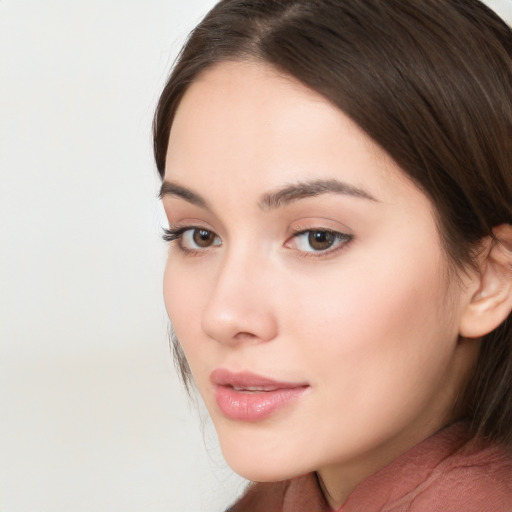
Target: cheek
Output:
{"points": [[171, 296], [183, 302], [377, 320], [376, 345], [182, 298]]}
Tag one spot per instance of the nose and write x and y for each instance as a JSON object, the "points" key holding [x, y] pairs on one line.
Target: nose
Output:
{"points": [[240, 308]]}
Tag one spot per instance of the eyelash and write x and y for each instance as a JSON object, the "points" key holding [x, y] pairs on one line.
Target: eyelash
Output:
{"points": [[172, 234], [341, 240]]}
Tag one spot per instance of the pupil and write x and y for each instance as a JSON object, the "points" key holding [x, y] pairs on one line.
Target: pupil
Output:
{"points": [[321, 240], [203, 238]]}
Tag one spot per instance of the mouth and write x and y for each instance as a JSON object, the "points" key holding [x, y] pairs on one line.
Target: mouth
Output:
{"points": [[249, 397], [254, 389]]}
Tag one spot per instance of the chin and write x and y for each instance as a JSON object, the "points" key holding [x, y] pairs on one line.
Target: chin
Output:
{"points": [[261, 473], [255, 460]]}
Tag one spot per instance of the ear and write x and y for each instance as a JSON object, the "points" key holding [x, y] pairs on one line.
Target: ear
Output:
{"points": [[491, 286]]}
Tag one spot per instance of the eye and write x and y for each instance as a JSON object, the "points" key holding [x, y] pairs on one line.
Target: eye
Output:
{"points": [[192, 238], [198, 238], [318, 240]]}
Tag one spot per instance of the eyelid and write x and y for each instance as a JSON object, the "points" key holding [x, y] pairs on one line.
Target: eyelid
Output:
{"points": [[176, 229], [318, 223]]}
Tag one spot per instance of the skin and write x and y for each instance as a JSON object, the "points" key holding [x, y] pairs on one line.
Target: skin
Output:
{"points": [[371, 325]]}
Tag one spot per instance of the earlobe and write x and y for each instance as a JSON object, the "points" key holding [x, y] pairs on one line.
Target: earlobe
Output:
{"points": [[491, 297]]}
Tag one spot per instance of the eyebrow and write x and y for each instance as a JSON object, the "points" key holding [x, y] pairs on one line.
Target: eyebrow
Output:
{"points": [[301, 190], [169, 188], [281, 197]]}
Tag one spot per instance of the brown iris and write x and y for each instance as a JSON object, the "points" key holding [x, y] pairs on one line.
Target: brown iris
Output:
{"points": [[203, 237], [321, 240]]}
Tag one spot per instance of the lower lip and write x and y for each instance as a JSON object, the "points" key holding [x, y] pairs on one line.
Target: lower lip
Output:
{"points": [[255, 405]]}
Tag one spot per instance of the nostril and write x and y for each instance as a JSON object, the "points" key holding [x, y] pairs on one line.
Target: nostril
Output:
{"points": [[245, 327], [246, 336]]}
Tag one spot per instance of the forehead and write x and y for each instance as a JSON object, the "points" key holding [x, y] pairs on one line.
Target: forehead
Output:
{"points": [[246, 122]]}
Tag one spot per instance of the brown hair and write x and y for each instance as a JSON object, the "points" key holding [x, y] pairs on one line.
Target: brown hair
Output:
{"points": [[430, 81]]}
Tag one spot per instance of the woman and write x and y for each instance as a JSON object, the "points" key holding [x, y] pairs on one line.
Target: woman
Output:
{"points": [[337, 179]]}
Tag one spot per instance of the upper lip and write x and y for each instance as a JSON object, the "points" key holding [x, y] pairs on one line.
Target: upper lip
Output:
{"points": [[248, 380]]}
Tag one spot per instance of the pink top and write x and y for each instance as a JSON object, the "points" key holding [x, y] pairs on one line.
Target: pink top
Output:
{"points": [[444, 473]]}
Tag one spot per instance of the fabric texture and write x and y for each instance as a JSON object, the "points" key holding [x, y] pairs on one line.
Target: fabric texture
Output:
{"points": [[445, 473]]}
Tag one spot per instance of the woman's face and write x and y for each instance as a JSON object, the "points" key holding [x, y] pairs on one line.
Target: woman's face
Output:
{"points": [[306, 281]]}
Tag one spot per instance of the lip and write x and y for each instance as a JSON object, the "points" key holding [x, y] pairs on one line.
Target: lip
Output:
{"points": [[250, 397]]}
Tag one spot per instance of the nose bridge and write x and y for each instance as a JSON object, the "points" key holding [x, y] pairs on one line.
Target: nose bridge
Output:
{"points": [[239, 307]]}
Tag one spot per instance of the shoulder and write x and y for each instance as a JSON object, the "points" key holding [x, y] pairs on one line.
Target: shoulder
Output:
{"points": [[447, 472], [476, 478]]}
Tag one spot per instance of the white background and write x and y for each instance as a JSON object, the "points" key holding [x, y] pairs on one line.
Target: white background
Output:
{"points": [[92, 417]]}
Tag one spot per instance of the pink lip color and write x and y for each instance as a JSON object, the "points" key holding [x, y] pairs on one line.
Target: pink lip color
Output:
{"points": [[249, 397]]}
